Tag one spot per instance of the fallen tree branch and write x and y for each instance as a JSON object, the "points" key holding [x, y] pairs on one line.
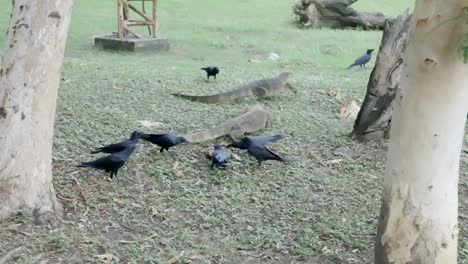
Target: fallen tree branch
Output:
{"points": [[336, 14]]}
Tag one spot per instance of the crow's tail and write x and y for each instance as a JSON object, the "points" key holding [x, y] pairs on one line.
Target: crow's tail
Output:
{"points": [[85, 165]]}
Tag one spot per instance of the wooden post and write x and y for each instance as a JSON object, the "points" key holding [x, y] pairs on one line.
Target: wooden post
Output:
{"points": [[120, 19], [126, 15], [155, 17]]}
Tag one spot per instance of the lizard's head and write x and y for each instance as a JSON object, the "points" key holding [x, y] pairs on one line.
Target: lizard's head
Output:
{"points": [[285, 75]]}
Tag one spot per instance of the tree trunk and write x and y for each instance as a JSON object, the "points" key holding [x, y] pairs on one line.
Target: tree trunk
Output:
{"points": [[336, 14], [29, 81], [418, 218], [374, 117]]}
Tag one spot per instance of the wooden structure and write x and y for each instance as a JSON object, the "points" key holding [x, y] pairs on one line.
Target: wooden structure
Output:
{"points": [[127, 38], [124, 21]]}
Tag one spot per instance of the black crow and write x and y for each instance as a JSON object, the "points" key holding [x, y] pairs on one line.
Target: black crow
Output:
{"points": [[261, 140], [361, 61], [219, 157], [117, 147], [211, 71], [113, 162], [165, 141], [256, 149]]}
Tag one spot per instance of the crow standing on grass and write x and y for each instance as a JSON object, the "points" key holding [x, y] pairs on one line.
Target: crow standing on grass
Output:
{"points": [[165, 141], [211, 71], [113, 162], [261, 140], [117, 147], [361, 61], [219, 157], [256, 148]]}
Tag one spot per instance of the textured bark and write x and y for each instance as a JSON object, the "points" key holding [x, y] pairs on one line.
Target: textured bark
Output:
{"points": [[29, 81], [418, 219], [374, 117], [336, 14]]}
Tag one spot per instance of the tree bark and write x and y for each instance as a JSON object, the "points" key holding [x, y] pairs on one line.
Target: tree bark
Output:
{"points": [[29, 81], [418, 218], [336, 14], [374, 117]]}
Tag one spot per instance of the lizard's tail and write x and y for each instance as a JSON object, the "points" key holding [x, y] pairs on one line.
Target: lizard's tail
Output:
{"points": [[207, 134], [209, 99], [216, 98], [283, 159]]}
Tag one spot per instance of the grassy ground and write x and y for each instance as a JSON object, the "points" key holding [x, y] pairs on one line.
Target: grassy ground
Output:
{"points": [[322, 208]]}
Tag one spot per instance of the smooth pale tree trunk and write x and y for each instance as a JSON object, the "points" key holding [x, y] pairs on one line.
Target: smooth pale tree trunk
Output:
{"points": [[418, 218], [29, 81]]}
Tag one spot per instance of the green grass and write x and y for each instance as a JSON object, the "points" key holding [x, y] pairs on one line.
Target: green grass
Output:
{"points": [[309, 211]]}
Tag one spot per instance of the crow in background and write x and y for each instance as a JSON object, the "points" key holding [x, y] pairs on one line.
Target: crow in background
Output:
{"points": [[211, 71], [361, 61], [117, 147], [219, 157], [113, 162], [257, 149], [165, 141]]}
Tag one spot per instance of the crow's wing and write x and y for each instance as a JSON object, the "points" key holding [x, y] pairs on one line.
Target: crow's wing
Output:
{"points": [[262, 153], [363, 59], [117, 147], [104, 163], [154, 138], [221, 156]]}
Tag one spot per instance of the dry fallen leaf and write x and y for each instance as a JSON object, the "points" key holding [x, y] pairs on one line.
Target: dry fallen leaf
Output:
{"points": [[333, 161], [325, 250], [324, 236], [210, 151], [235, 156], [254, 60], [335, 93], [107, 258], [352, 110], [175, 171], [147, 123], [195, 257], [118, 201]]}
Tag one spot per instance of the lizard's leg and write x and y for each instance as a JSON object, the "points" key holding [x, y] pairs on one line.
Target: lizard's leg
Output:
{"points": [[236, 133], [260, 93], [291, 87]]}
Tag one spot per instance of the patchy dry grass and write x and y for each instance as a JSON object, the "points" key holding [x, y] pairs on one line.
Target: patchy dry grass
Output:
{"points": [[322, 208]]}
